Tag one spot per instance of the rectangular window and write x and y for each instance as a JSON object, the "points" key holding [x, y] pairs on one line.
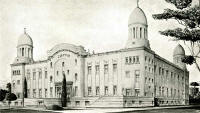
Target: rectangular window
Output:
{"points": [[34, 75], [89, 91], [106, 69], [18, 82], [130, 59], [45, 92], [126, 60], [137, 92], [76, 77], [106, 90], [114, 90], [57, 73], [97, 70], [137, 76], [46, 74], [114, 68], [40, 74], [34, 93], [76, 91], [128, 92], [97, 90], [89, 70], [40, 93], [127, 74], [51, 92]]}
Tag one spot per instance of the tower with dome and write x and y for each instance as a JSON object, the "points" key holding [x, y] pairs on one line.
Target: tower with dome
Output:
{"points": [[134, 76]]}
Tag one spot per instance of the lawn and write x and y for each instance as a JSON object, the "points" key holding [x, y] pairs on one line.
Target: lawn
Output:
{"points": [[22, 111]]}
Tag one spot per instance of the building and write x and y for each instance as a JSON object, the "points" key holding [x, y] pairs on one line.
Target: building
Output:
{"points": [[133, 76]]}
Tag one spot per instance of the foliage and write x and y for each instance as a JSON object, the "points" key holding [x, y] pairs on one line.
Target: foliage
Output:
{"points": [[9, 87], [189, 32], [3, 94], [64, 92], [11, 97], [54, 107], [194, 84], [25, 88]]}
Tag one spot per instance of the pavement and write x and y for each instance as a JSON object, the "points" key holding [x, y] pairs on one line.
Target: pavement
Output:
{"points": [[107, 110]]}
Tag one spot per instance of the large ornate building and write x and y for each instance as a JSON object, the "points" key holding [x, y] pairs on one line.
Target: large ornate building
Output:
{"points": [[130, 77]]}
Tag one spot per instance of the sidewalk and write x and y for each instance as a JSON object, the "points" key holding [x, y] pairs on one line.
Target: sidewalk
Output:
{"points": [[115, 110]]}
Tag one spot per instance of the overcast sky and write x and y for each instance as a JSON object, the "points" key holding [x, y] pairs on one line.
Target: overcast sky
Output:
{"points": [[99, 25]]}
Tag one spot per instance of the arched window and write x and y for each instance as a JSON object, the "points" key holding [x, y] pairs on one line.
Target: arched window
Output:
{"points": [[136, 34], [140, 32], [133, 32], [51, 65], [63, 64], [28, 52], [144, 33], [22, 51]]}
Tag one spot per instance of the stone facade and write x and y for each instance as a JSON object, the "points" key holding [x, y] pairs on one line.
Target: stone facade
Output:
{"points": [[134, 76]]}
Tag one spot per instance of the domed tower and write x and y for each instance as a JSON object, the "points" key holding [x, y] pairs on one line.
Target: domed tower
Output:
{"points": [[137, 29], [178, 55], [24, 49]]}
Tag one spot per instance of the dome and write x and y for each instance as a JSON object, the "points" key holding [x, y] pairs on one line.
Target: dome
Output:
{"points": [[137, 17], [25, 39], [179, 50]]}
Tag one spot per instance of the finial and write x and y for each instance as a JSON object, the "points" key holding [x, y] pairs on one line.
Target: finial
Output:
{"points": [[24, 30], [137, 3]]}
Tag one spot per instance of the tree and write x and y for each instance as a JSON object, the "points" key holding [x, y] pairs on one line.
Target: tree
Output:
{"points": [[194, 84], [64, 92], [3, 94], [189, 18], [10, 96], [25, 88]]}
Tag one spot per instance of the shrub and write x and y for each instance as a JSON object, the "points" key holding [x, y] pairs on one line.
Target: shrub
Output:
{"points": [[54, 107]]}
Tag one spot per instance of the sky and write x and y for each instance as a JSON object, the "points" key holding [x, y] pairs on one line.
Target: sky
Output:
{"points": [[99, 25]]}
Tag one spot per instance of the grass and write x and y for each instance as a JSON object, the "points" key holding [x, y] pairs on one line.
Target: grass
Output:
{"points": [[22, 111]]}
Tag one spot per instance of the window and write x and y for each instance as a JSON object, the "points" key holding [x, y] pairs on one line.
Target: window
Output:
{"points": [[106, 69], [127, 74], [22, 51], [40, 93], [76, 77], [137, 76], [163, 90], [68, 72], [34, 93], [40, 74], [134, 32], [28, 93], [137, 59], [45, 74], [167, 92], [97, 70], [34, 75], [114, 68], [89, 91], [76, 91], [97, 90], [75, 61], [106, 90], [18, 82], [57, 73], [51, 78], [51, 65], [89, 70], [63, 64], [140, 32], [77, 103], [159, 70], [51, 91], [128, 92], [159, 91], [114, 90], [130, 60], [45, 92], [126, 60], [137, 92], [145, 58], [162, 71]]}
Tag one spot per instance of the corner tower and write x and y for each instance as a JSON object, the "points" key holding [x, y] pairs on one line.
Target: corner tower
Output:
{"points": [[137, 29], [24, 49], [178, 55]]}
